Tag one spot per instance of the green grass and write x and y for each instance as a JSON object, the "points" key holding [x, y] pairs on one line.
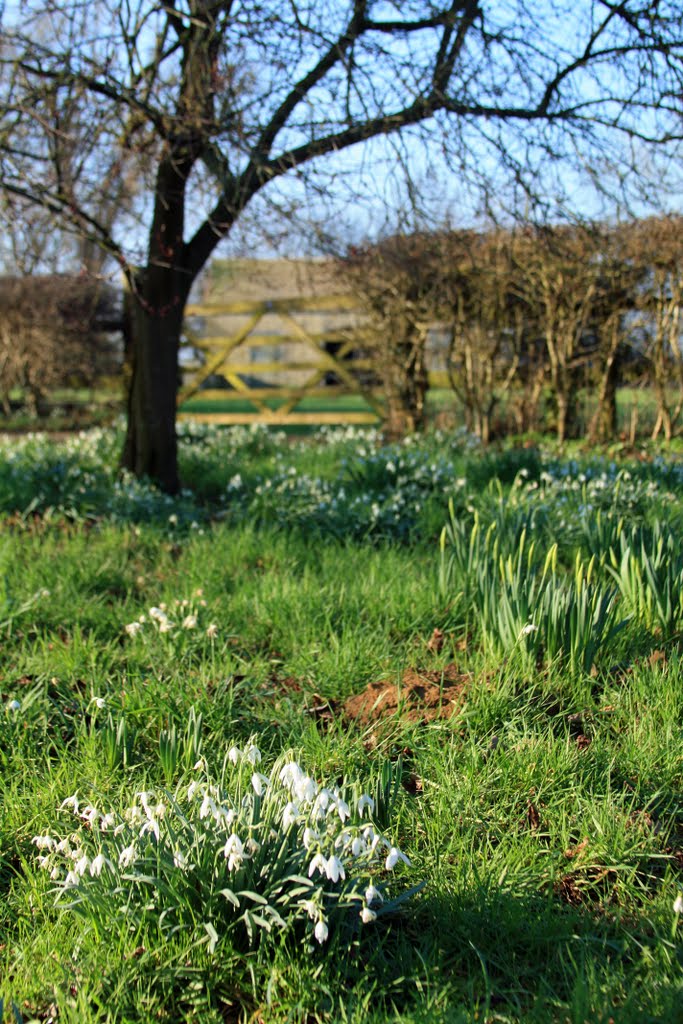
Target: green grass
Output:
{"points": [[545, 818]]}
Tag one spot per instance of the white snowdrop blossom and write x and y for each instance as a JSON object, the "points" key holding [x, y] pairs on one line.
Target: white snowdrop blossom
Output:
{"points": [[318, 864], [212, 631], [81, 865], [208, 806], [529, 628], [321, 931], [306, 788], [259, 782], [44, 842], [334, 869], [367, 915], [97, 864], [373, 895], [309, 837], [343, 809], [393, 857], [133, 628], [234, 755], [234, 852], [252, 754], [14, 705], [190, 622], [678, 904], [127, 856], [366, 802], [290, 815]]}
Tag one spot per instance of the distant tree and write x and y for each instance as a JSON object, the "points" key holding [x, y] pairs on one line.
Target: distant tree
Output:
{"points": [[619, 282], [485, 321], [55, 331], [396, 281], [655, 247], [557, 277], [250, 92]]}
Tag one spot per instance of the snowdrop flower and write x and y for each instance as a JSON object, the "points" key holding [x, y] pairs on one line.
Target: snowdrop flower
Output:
{"points": [[14, 705], [233, 851], [71, 880], [373, 895], [190, 622], [357, 846], [343, 809], [157, 614], [678, 904], [212, 630], [393, 858], [367, 915], [99, 702], [133, 628], [366, 801], [334, 869], [290, 774], [199, 765], [234, 754], [306, 788], [44, 842], [192, 789], [81, 865], [151, 825], [127, 856], [529, 628], [310, 836], [98, 863], [252, 754], [259, 782], [317, 864], [179, 859], [290, 815], [208, 807], [165, 626], [310, 907], [89, 814], [321, 931]]}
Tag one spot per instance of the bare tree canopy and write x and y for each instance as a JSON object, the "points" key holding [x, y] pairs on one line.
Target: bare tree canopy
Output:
{"points": [[191, 107]]}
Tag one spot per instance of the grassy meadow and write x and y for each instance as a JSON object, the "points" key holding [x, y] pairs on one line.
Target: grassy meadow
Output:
{"points": [[195, 825]]}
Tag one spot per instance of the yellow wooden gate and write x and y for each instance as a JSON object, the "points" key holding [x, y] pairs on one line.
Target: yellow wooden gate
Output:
{"points": [[275, 356]]}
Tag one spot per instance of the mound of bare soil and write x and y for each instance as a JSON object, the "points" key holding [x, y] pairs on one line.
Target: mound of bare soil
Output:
{"points": [[419, 697]]}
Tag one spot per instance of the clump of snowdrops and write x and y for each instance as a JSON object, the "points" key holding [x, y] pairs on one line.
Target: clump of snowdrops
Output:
{"points": [[233, 857]]}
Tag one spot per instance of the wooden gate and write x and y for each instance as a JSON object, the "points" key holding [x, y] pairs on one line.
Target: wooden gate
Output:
{"points": [[276, 356]]}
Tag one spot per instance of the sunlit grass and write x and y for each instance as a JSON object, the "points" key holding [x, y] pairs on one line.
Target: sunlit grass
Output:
{"points": [[545, 817]]}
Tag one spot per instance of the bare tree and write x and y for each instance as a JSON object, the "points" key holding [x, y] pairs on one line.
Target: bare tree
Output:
{"points": [[250, 92], [485, 322], [55, 331], [656, 248], [397, 282]]}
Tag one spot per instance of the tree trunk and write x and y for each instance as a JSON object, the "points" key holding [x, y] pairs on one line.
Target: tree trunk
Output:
{"points": [[150, 448]]}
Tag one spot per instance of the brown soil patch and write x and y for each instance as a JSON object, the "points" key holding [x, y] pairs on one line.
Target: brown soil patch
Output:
{"points": [[420, 697]]}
